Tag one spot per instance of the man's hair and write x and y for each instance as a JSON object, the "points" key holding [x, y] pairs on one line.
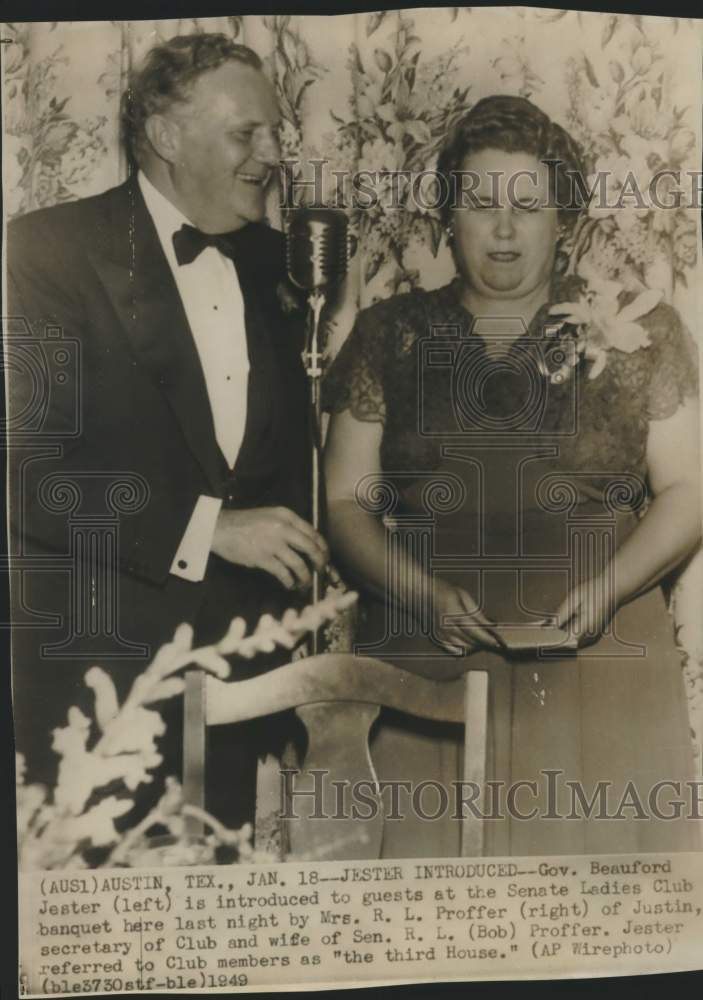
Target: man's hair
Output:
{"points": [[516, 125], [167, 74]]}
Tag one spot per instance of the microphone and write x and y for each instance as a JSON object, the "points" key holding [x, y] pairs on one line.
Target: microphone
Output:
{"points": [[318, 247]]}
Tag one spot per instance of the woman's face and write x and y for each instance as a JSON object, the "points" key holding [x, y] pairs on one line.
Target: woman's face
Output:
{"points": [[505, 236]]}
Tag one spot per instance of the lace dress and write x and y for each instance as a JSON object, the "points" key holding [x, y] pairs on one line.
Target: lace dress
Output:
{"points": [[523, 485]]}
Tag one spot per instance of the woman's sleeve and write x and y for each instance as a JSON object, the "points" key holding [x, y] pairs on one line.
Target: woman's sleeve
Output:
{"points": [[672, 360], [356, 377]]}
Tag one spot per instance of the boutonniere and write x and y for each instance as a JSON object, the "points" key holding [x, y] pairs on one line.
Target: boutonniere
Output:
{"points": [[598, 323], [288, 297]]}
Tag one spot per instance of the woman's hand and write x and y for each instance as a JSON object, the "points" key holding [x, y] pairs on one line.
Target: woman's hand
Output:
{"points": [[459, 627], [586, 610]]}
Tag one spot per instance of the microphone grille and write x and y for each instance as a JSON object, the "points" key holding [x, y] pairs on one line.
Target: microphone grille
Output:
{"points": [[317, 247]]}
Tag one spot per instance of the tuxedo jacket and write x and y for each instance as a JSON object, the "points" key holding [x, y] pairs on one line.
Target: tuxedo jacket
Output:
{"points": [[127, 396]]}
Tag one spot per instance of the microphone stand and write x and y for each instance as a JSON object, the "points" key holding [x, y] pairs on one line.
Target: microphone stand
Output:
{"points": [[312, 359]]}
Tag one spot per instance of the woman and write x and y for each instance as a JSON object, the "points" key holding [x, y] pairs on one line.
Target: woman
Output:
{"points": [[568, 476]]}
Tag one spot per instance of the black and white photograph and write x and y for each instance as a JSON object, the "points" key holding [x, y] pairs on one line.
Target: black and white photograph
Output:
{"points": [[354, 474]]}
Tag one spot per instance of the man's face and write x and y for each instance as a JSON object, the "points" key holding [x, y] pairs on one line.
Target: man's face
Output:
{"points": [[225, 147]]}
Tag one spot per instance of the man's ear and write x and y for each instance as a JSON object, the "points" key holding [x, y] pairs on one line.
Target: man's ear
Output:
{"points": [[164, 136]]}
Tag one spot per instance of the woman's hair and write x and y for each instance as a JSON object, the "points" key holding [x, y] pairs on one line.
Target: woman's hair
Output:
{"points": [[167, 73], [516, 125]]}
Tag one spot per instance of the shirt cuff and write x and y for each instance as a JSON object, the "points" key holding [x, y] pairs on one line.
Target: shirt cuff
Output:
{"points": [[191, 558]]}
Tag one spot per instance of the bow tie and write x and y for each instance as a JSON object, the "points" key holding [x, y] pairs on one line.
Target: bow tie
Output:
{"points": [[189, 242]]}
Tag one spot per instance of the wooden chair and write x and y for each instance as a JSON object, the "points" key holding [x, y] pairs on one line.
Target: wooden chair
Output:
{"points": [[337, 696]]}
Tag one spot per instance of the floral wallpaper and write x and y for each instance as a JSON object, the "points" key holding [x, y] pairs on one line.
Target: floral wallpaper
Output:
{"points": [[377, 92]]}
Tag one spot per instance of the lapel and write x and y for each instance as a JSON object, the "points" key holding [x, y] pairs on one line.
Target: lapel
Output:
{"points": [[138, 280], [258, 253]]}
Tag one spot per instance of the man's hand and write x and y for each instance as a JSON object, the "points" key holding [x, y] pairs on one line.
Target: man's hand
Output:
{"points": [[587, 609], [273, 539], [459, 626]]}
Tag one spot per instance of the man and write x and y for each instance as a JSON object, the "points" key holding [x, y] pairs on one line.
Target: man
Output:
{"points": [[191, 389]]}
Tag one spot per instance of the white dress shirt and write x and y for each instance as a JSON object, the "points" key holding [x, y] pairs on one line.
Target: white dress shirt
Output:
{"points": [[214, 307]]}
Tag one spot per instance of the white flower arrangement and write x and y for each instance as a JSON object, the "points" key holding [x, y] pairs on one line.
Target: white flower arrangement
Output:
{"points": [[602, 323], [56, 829]]}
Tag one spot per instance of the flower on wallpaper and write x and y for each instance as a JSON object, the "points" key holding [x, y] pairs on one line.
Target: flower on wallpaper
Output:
{"points": [[15, 51], [55, 152], [378, 154], [682, 142], [648, 155], [15, 155], [514, 69], [632, 141], [643, 115], [374, 21], [289, 139], [235, 25], [685, 243], [610, 180], [294, 69], [591, 107], [627, 185], [400, 112], [626, 99], [111, 77], [550, 16]]}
